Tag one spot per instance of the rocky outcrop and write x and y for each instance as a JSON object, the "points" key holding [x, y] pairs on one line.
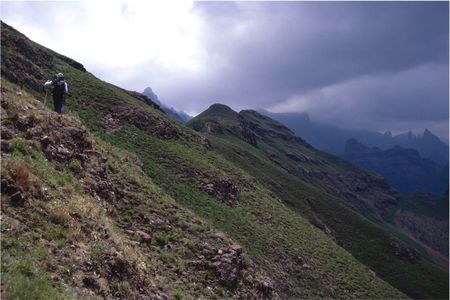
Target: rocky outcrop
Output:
{"points": [[145, 99], [368, 194], [233, 267], [110, 124], [407, 253], [431, 231], [151, 123], [246, 130], [222, 189], [229, 264], [65, 141]]}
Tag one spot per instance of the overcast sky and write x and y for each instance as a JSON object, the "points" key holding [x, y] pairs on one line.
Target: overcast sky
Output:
{"points": [[367, 65]]}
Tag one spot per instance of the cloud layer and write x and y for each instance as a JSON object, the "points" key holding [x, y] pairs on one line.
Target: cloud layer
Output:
{"points": [[370, 65]]}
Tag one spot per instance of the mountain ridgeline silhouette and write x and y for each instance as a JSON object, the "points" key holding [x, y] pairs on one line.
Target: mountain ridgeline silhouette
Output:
{"points": [[332, 139], [177, 115], [403, 168]]}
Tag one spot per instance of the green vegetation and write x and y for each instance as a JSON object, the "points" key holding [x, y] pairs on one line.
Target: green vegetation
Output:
{"points": [[23, 265], [64, 241], [144, 197], [367, 241], [273, 235]]}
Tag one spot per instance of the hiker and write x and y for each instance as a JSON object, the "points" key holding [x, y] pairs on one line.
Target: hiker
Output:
{"points": [[59, 92]]}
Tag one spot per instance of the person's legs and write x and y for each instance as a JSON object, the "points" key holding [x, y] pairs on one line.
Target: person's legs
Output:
{"points": [[59, 105]]}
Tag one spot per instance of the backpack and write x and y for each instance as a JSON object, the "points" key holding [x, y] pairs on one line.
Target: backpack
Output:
{"points": [[59, 88]]}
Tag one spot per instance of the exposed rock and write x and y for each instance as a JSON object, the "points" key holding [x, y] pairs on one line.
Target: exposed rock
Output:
{"points": [[295, 157], [6, 133], [266, 287], [24, 68], [16, 199], [66, 141], [145, 99], [91, 283], [71, 62], [434, 232], [223, 189], [408, 253], [213, 127], [246, 130], [4, 145], [145, 237], [229, 264], [9, 187], [363, 192], [110, 124], [305, 159], [153, 124]]}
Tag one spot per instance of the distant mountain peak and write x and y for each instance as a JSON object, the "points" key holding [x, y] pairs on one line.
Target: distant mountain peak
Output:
{"points": [[220, 106], [428, 134], [177, 115], [149, 93], [332, 138], [221, 111]]}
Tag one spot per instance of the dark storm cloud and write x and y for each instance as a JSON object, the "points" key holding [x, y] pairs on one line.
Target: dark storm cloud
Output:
{"points": [[375, 102], [264, 54]]}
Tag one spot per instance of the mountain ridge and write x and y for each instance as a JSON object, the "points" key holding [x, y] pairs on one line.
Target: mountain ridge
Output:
{"points": [[258, 155], [403, 168], [177, 115], [331, 138]]}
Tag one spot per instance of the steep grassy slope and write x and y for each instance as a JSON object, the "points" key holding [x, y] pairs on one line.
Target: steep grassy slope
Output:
{"points": [[81, 219], [259, 145], [301, 260]]}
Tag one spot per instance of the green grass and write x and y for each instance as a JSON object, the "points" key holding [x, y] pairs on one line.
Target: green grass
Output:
{"points": [[23, 265], [68, 219], [270, 232], [366, 241]]}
